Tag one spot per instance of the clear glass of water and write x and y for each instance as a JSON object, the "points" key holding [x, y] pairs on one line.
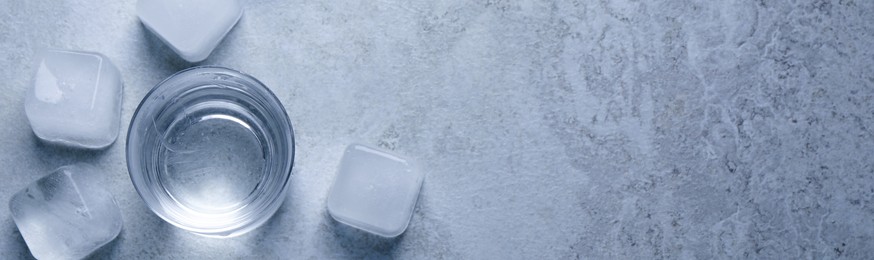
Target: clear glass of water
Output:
{"points": [[210, 150]]}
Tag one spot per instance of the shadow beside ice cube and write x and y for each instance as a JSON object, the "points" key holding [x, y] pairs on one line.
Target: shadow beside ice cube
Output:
{"points": [[66, 214], [75, 100]]}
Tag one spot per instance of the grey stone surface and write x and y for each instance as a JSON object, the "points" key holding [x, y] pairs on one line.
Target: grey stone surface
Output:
{"points": [[548, 129]]}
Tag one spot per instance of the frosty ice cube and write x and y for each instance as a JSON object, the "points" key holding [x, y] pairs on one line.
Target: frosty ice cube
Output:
{"points": [[75, 99], [66, 214], [192, 28], [375, 190]]}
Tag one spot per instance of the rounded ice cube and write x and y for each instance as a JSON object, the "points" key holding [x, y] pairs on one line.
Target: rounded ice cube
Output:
{"points": [[75, 99], [375, 190], [66, 214]]}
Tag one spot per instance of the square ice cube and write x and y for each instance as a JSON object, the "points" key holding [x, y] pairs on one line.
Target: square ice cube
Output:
{"points": [[66, 214], [375, 190], [192, 28], [75, 99]]}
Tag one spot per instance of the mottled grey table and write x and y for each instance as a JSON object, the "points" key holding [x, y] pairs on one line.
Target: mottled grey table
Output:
{"points": [[548, 129]]}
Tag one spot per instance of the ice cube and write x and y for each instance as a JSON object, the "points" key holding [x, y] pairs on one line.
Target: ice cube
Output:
{"points": [[66, 214], [75, 99], [192, 28], [375, 190]]}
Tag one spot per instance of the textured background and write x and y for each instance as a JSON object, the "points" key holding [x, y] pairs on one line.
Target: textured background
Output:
{"points": [[585, 129]]}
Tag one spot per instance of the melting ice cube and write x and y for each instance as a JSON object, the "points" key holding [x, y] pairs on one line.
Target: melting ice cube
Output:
{"points": [[375, 190], [75, 99], [66, 214], [192, 28]]}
